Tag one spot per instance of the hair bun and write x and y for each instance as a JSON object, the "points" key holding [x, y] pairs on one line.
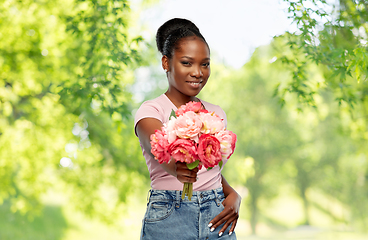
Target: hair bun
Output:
{"points": [[168, 27]]}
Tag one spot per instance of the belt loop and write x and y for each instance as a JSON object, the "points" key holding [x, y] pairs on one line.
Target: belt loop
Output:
{"points": [[178, 198], [149, 195], [216, 197]]}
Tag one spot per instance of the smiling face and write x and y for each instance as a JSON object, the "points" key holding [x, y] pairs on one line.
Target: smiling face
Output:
{"points": [[188, 69]]}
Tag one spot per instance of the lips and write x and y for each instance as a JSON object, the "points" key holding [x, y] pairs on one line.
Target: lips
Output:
{"points": [[194, 83]]}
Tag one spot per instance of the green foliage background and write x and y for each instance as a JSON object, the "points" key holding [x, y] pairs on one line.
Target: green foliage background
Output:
{"points": [[64, 77], [70, 163]]}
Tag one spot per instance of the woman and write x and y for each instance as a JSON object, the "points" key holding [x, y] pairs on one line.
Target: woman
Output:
{"points": [[213, 211]]}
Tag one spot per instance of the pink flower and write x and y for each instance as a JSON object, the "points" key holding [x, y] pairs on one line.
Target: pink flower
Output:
{"points": [[183, 150], [227, 142], [190, 106], [159, 146], [170, 130], [233, 141], [203, 111], [188, 125], [209, 150], [211, 123]]}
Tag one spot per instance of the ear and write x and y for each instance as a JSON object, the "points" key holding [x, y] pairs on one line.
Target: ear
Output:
{"points": [[165, 63]]}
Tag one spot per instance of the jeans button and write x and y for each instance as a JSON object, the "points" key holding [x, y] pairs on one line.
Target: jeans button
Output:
{"points": [[201, 195]]}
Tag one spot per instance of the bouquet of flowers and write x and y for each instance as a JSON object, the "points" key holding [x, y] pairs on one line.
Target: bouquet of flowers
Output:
{"points": [[195, 136]]}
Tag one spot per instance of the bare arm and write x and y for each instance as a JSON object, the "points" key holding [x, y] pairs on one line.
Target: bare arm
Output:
{"points": [[145, 128], [230, 214]]}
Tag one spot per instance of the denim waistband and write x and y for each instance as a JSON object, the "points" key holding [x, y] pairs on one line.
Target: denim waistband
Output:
{"points": [[175, 195]]}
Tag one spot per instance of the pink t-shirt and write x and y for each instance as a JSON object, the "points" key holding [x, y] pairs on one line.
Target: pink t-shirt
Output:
{"points": [[160, 108]]}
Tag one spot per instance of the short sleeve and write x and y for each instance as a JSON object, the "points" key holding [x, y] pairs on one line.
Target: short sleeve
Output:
{"points": [[148, 109], [224, 117]]}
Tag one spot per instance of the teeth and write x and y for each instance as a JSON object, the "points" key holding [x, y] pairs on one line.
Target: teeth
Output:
{"points": [[195, 84]]}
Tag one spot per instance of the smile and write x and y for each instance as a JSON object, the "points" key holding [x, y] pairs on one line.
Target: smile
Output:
{"points": [[195, 84]]}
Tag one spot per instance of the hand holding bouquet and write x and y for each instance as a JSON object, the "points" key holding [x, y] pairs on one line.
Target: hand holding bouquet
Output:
{"points": [[194, 136]]}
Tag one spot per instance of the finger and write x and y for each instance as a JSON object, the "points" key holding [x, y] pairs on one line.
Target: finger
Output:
{"points": [[227, 224], [196, 169], [233, 226], [227, 215], [214, 221], [185, 178], [181, 165], [218, 220], [186, 172], [189, 173], [191, 179]]}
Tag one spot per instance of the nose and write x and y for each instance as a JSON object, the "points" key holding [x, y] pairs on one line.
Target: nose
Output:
{"points": [[197, 72]]}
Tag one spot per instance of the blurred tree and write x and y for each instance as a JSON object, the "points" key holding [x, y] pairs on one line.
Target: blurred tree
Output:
{"points": [[65, 119], [280, 147], [333, 35]]}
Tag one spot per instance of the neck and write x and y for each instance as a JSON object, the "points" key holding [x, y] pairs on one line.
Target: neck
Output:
{"points": [[179, 100]]}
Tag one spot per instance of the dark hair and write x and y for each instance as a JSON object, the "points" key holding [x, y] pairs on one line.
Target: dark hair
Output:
{"points": [[170, 33]]}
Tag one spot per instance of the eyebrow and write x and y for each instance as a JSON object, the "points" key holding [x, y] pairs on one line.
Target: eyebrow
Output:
{"points": [[192, 58]]}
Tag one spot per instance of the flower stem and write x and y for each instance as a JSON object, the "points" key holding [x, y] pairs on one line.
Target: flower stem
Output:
{"points": [[190, 191], [185, 187], [187, 190]]}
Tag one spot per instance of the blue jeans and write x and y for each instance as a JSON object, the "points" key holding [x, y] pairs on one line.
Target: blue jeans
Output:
{"points": [[169, 217]]}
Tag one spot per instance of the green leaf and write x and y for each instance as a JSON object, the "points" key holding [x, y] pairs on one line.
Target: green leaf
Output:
{"points": [[172, 114], [193, 164], [220, 164]]}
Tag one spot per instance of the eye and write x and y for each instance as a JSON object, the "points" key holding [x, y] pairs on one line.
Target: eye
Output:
{"points": [[207, 64], [185, 63]]}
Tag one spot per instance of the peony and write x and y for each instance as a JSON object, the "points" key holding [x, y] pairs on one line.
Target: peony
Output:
{"points": [[170, 130], [209, 150], [211, 123], [188, 125], [183, 150], [233, 141], [204, 111], [159, 146], [227, 142], [190, 106]]}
